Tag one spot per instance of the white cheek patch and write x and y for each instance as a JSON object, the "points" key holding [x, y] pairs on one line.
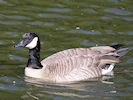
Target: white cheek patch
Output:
{"points": [[32, 44]]}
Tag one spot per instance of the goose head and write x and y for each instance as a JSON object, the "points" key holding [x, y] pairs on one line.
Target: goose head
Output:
{"points": [[29, 40]]}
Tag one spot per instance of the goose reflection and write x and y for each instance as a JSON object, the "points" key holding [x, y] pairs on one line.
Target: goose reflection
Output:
{"points": [[92, 89]]}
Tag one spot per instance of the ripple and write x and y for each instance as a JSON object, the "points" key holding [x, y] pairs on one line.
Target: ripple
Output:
{"points": [[129, 61], [10, 83], [89, 10], [118, 11], [12, 34], [58, 5], [10, 22], [128, 18], [16, 17], [114, 1], [129, 42], [7, 87], [46, 15], [60, 28], [130, 33], [106, 18], [16, 58], [87, 43], [2, 42], [3, 2], [39, 23], [61, 10], [109, 31], [84, 31]]}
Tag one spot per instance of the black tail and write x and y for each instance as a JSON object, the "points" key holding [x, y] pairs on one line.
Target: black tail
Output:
{"points": [[122, 52], [116, 46]]}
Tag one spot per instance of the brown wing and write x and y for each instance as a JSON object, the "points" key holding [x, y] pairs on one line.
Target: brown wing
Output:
{"points": [[103, 49], [68, 53], [78, 51], [74, 68]]}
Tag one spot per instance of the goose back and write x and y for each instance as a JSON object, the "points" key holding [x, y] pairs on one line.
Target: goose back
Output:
{"points": [[78, 51]]}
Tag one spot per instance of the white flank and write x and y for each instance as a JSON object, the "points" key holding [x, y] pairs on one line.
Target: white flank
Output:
{"points": [[109, 70], [33, 43]]}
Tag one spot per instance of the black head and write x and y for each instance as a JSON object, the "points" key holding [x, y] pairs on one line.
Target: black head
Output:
{"points": [[29, 40]]}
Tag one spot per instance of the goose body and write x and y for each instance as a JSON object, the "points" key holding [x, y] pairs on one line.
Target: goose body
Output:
{"points": [[78, 64]]}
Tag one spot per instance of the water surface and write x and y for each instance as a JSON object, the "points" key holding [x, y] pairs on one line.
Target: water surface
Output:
{"points": [[64, 24]]}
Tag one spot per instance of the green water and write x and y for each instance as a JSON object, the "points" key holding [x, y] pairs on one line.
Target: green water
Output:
{"points": [[63, 24]]}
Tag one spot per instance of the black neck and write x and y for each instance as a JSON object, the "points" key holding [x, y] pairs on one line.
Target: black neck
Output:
{"points": [[34, 58]]}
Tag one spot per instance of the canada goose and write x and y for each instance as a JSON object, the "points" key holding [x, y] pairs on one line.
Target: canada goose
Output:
{"points": [[78, 64]]}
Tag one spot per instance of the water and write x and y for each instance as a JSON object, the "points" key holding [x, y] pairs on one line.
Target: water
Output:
{"points": [[64, 24]]}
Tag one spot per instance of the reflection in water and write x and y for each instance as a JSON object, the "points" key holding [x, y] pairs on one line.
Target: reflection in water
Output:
{"points": [[81, 90]]}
